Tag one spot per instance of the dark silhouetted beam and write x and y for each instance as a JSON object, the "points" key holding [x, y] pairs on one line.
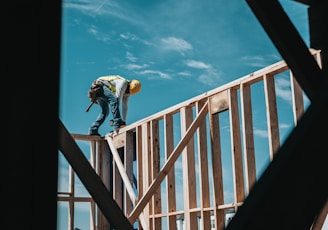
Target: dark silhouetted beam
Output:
{"points": [[91, 181], [306, 2], [289, 44]]}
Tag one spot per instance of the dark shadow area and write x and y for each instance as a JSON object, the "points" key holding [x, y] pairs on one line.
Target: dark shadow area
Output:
{"points": [[32, 57]]}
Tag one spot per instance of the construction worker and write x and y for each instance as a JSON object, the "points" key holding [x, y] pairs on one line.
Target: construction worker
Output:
{"points": [[114, 92]]}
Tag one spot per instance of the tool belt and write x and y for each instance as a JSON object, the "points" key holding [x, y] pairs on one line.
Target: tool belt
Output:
{"points": [[96, 90]]}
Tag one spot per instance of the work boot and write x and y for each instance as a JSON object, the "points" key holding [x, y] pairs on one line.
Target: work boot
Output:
{"points": [[93, 132], [122, 125]]}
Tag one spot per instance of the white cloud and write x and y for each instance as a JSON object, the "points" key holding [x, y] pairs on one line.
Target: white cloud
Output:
{"points": [[197, 64], [283, 89], [210, 78], [134, 66], [175, 44], [185, 74], [130, 57], [157, 73], [97, 34], [128, 36], [133, 37], [94, 8], [285, 126], [261, 133]]}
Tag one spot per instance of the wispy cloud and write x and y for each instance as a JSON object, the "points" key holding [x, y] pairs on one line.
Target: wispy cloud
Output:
{"points": [[210, 77], [184, 73], [259, 61], [175, 44], [96, 8], [134, 66], [197, 64], [128, 36], [283, 89], [285, 126], [135, 38], [155, 74], [98, 34], [261, 133], [130, 57]]}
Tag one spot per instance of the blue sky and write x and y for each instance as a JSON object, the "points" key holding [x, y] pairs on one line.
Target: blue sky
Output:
{"points": [[176, 49]]}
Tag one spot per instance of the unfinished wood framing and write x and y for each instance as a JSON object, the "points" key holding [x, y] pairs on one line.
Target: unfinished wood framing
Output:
{"points": [[183, 148]]}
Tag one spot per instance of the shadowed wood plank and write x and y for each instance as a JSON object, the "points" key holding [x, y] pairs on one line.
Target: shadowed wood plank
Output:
{"points": [[91, 180]]}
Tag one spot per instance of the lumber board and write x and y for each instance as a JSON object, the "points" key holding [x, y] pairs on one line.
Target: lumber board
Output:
{"points": [[91, 180]]}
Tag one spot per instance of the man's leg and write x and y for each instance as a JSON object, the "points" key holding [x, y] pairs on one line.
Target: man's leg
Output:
{"points": [[117, 120], [114, 104], [93, 130]]}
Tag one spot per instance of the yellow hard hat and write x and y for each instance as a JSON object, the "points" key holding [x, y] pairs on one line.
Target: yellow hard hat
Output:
{"points": [[135, 87]]}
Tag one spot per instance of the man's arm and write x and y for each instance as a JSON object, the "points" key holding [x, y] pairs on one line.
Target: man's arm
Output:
{"points": [[121, 86], [125, 106]]}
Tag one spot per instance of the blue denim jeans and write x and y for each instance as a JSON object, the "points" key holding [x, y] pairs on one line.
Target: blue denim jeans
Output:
{"points": [[108, 101]]}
